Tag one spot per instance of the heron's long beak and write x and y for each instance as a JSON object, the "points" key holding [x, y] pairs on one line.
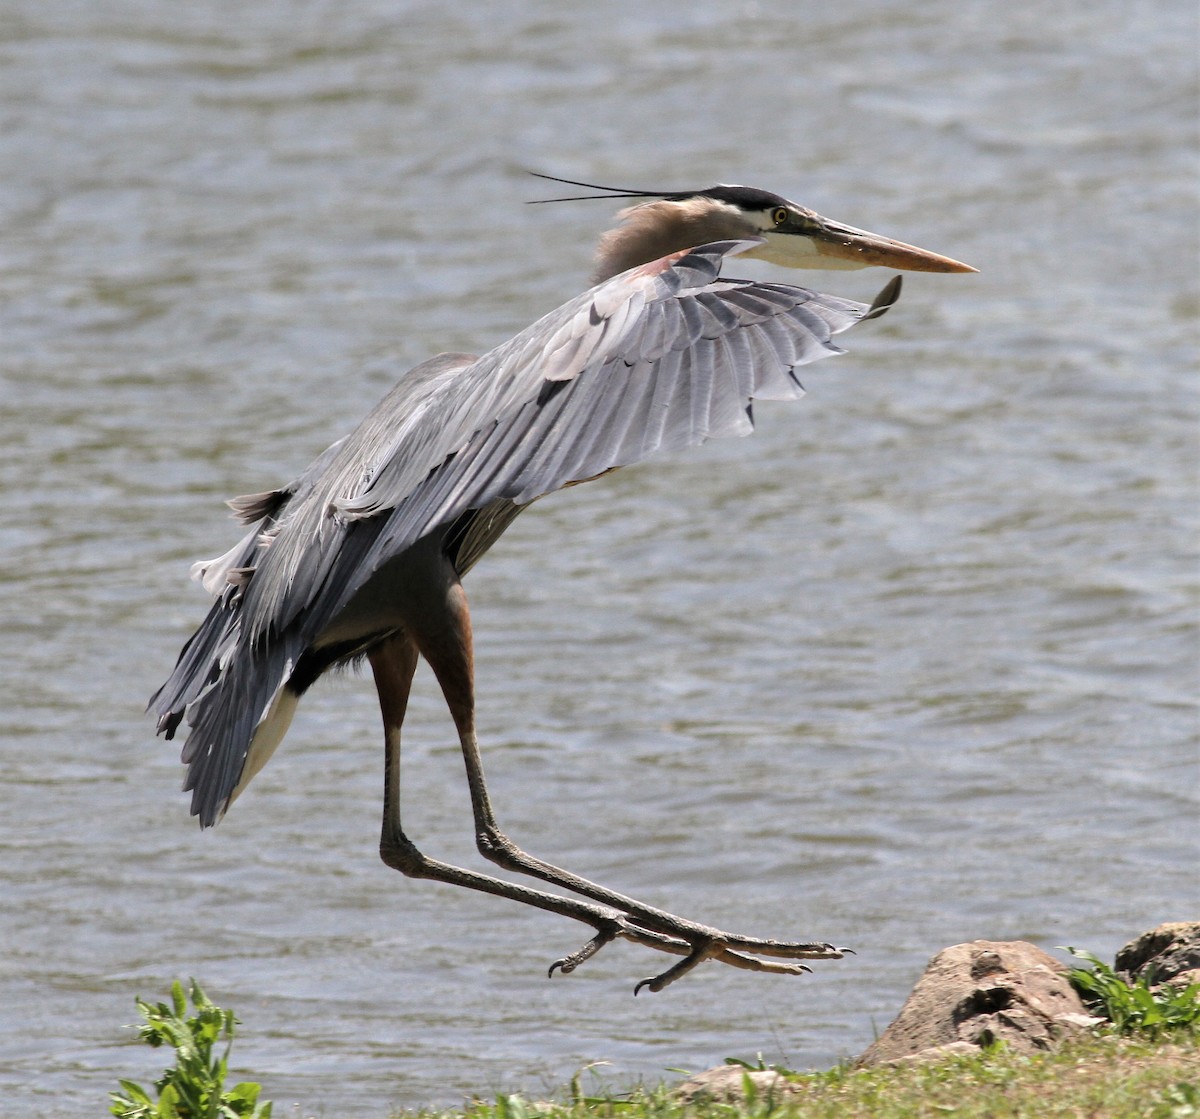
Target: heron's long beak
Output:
{"points": [[821, 243]]}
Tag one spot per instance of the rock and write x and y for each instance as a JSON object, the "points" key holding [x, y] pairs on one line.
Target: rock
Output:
{"points": [[1172, 950], [936, 1053], [983, 992], [1078, 1023], [726, 1084]]}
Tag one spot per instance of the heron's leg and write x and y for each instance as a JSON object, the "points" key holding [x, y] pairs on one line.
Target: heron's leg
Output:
{"points": [[393, 664], [447, 646]]}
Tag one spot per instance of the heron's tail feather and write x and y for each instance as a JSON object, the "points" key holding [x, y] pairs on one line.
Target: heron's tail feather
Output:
{"points": [[235, 725], [198, 666], [237, 704]]}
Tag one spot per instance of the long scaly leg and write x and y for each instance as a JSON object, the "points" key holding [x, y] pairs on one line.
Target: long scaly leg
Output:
{"points": [[447, 645], [393, 664]]}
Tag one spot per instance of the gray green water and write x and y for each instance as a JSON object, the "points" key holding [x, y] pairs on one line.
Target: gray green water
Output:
{"points": [[915, 664]]}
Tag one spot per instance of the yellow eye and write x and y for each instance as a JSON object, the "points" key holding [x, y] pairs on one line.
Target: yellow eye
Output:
{"points": [[779, 215]]}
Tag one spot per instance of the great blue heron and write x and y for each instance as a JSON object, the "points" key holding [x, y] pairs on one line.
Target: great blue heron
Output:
{"points": [[361, 557]]}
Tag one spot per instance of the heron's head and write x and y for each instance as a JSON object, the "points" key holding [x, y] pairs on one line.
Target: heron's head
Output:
{"points": [[789, 234]]}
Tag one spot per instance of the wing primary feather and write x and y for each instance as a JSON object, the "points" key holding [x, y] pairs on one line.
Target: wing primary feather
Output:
{"points": [[727, 405], [700, 387]]}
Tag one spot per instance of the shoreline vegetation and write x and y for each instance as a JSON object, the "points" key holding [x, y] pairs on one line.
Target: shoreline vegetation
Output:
{"points": [[993, 1030]]}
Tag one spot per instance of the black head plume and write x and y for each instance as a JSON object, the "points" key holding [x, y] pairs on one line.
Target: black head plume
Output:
{"points": [[610, 192], [745, 198]]}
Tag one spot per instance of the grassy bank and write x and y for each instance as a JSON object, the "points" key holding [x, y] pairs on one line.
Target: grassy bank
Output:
{"points": [[1144, 1065], [1089, 1078]]}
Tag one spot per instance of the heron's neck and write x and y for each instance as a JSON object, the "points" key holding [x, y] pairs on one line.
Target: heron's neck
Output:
{"points": [[656, 229]]}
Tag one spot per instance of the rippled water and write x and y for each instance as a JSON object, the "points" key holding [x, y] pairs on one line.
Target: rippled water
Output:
{"points": [[915, 664]]}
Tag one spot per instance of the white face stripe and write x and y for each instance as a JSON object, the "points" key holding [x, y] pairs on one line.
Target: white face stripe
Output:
{"points": [[760, 219]]}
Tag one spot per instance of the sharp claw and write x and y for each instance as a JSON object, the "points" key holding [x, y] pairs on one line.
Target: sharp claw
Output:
{"points": [[643, 983], [566, 965], [569, 963]]}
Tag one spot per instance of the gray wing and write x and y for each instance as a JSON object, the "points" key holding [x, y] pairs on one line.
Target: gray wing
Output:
{"points": [[658, 358]]}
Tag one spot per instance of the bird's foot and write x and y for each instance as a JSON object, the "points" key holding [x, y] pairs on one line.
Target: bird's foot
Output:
{"points": [[697, 943], [627, 918]]}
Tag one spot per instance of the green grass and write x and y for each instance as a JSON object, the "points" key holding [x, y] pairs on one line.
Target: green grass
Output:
{"points": [[1106, 1077]]}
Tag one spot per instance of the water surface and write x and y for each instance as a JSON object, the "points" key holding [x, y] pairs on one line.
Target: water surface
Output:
{"points": [[916, 664]]}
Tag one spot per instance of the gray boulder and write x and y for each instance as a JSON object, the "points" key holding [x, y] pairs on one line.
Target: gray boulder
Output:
{"points": [[1172, 950]]}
